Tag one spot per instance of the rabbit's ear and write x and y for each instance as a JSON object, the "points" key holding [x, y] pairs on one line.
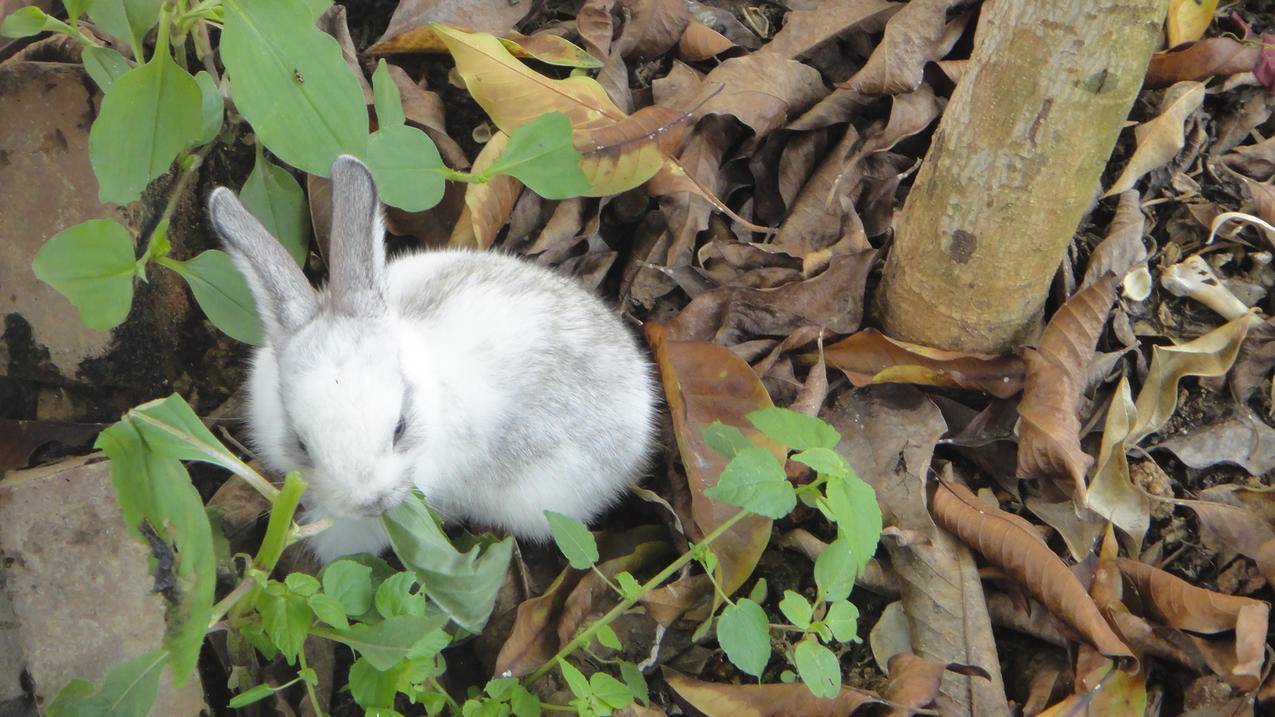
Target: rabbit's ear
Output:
{"points": [[357, 244], [284, 298]]}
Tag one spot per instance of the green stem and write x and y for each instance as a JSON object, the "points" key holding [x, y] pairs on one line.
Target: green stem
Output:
{"points": [[224, 605], [456, 175], [587, 634], [433, 682], [190, 166], [614, 588], [309, 688], [285, 506]]}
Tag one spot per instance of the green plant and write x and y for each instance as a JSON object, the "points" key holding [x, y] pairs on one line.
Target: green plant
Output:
{"points": [[289, 83]]}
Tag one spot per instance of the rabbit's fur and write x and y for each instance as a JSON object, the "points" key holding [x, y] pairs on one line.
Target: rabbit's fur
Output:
{"points": [[497, 387]]}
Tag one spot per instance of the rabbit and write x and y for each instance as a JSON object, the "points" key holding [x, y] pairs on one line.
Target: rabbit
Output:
{"points": [[496, 387]]}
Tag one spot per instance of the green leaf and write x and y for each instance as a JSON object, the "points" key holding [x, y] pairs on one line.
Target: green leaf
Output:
{"points": [[350, 583], [610, 691], [329, 610], [289, 81], [386, 643], [273, 195], [154, 490], [607, 638], [755, 480], [576, 681], [407, 167], [573, 539], [222, 292], [796, 609], [852, 503], [76, 8], [105, 66], [523, 703], [628, 585], [724, 439], [818, 668], [463, 585], [128, 689], [371, 687], [212, 108], [636, 682], [395, 596], [824, 461], [172, 430], [794, 430], [286, 619], [92, 264], [389, 103], [843, 620], [127, 20], [302, 584], [28, 21], [541, 155], [758, 593], [744, 634], [256, 694], [150, 114], [835, 570]]}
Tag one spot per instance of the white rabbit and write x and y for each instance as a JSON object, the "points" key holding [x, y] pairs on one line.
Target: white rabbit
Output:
{"points": [[497, 387]]}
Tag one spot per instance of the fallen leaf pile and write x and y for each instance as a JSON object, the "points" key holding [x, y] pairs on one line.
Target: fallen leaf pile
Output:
{"points": [[1103, 495]]}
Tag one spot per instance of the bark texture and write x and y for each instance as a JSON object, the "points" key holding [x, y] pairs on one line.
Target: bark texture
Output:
{"points": [[1014, 165]]}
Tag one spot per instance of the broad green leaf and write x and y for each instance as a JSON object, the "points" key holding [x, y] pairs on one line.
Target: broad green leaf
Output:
{"points": [[371, 687], [389, 103], [628, 585], [818, 668], [302, 584], [796, 608], [172, 430], [523, 703], [76, 8], [541, 155], [289, 81], [724, 439], [128, 689], [637, 683], [350, 583], [150, 114], [329, 610], [794, 430], [573, 539], [463, 585], [256, 694], [755, 480], [843, 620], [835, 570], [273, 195], [576, 680], [610, 691], [29, 21], [395, 596], [607, 638], [212, 108], [407, 168], [105, 66], [743, 631], [127, 20], [758, 593], [93, 265], [852, 503], [317, 7], [222, 293], [824, 461], [384, 644], [286, 619], [154, 491]]}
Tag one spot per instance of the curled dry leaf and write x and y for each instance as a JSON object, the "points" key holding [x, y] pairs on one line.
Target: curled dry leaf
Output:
{"points": [[704, 383], [1237, 528], [494, 16], [1021, 553], [654, 27], [596, 26], [1256, 161], [806, 31], [546, 47], [715, 699], [700, 42], [1214, 57], [1111, 493], [914, 682], [1049, 427], [1122, 250], [869, 357], [760, 90], [488, 205], [1254, 363], [914, 36], [1242, 439], [1162, 137]]}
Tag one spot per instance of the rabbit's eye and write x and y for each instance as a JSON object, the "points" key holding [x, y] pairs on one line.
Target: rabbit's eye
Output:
{"points": [[399, 430]]}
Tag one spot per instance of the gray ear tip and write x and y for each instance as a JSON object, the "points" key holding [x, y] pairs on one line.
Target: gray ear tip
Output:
{"points": [[348, 163]]}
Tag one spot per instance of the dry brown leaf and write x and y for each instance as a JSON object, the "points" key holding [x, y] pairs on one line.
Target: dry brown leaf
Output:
{"points": [[704, 383], [1254, 363], [654, 27], [1242, 439], [1162, 137], [685, 597], [1078, 526], [913, 37], [19, 440], [1049, 429], [487, 205], [715, 699], [1122, 250], [760, 90], [596, 26], [1004, 543], [593, 595], [1111, 493], [1236, 528], [914, 682], [700, 42], [494, 16], [822, 214], [870, 357], [722, 20], [807, 31], [1213, 57], [891, 635], [425, 110], [612, 154], [1257, 160]]}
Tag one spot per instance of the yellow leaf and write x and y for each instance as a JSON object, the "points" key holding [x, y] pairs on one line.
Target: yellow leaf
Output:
{"points": [[488, 204], [1188, 19]]}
